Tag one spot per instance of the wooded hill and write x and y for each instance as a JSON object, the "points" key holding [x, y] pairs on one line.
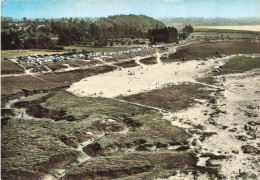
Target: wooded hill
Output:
{"points": [[72, 31]]}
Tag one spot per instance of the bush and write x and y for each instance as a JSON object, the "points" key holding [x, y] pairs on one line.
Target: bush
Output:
{"points": [[58, 48], [123, 42]]}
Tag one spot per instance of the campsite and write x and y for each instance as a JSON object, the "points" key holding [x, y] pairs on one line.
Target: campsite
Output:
{"points": [[130, 97]]}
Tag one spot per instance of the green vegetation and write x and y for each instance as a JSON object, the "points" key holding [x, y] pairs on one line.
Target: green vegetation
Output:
{"points": [[99, 49], [9, 67], [204, 50], [166, 34], [127, 64], [34, 52], [149, 60], [27, 144], [186, 31], [172, 98], [207, 80], [223, 31], [240, 64], [31, 34], [88, 106], [206, 33], [134, 163]]}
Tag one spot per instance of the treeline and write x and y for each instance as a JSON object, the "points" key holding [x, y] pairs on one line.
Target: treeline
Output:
{"points": [[119, 26], [185, 32], [37, 34], [71, 31], [168, 35], [12, 41]]}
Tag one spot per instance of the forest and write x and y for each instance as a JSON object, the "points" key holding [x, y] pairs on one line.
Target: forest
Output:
{"points": [[39, 33]]}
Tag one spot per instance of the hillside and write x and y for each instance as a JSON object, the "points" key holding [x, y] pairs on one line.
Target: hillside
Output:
{"points": [[70, 31], [139, 21]]}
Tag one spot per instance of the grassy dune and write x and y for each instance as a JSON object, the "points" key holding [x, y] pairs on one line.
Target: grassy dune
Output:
{"points": [[204, 50], [29, 145], [240, 64], [172, 98]]}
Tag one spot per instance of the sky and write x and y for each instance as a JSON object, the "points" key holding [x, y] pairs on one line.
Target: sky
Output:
{"points": [[154, 8]]}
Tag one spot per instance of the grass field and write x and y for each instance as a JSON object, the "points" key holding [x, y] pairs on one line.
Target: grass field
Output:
{"points": [[224, 30], [18, 53], [204, 50], [240, 64], [222, 33], [100, 49], [172, 98], [207, 80], [9, 67]]}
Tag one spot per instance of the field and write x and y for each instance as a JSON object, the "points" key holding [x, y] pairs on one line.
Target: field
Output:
{"points": [[18, 53], [144, 130], [100, 49], [240, 64], [216, 34], [9, 67], [172, 98], [204, 50]]}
